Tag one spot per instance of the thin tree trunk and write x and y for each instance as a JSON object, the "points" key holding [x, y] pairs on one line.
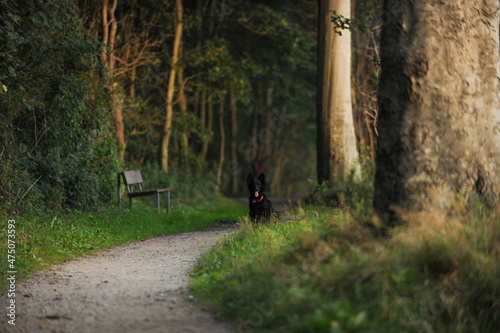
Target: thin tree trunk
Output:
{"points": [[222, 144], [234, 143], [183, 106], [439, 105], [370, 136], [279, 150], [208, 128], [167, 130], [203, 116], [324, 68], [118, 120], [265, 133], [290, 178]]}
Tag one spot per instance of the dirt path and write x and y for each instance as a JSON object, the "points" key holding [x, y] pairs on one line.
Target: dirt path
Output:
{"points": [[137, 287]]}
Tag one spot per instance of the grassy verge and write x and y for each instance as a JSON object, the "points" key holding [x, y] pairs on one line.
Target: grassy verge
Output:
{"points": [[322, 271], [42, 241]]}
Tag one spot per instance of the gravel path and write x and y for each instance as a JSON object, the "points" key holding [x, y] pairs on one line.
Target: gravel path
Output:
{"points": [[137, 287]]}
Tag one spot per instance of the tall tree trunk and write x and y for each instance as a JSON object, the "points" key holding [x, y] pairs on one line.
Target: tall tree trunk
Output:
{"points": [[234, 143], [222, 146], [265, 133], [167, 130], [336, 142], [281, 146], [210, 117], [439, 106], [183, 107], [110, 26]]}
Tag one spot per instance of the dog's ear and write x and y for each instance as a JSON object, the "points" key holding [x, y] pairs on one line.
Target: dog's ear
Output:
{"points": [[262, 179]]}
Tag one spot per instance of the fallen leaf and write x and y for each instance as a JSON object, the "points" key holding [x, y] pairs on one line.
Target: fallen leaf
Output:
{"points": [[43, 326], [58, 299]]}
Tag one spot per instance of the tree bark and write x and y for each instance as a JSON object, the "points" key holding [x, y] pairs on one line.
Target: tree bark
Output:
{"points": [[438, 104], [336, 142], [167, 130]]}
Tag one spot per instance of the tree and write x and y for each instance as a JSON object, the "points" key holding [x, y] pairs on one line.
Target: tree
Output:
{"points": [[438, 104], [135, 50], [167, 130], [336, 143]]}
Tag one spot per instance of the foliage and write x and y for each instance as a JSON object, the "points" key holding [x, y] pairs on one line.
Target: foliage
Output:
{"points": [[56, 141], [238, 52], [49, 238], [323, 271], [368, 16]]}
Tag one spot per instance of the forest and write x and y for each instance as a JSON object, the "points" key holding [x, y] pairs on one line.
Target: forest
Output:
{"points": [[193, 87], [379, 119]]}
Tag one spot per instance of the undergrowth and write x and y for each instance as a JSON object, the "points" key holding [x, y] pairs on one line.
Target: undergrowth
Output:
{"points": [[321, 270], [47, 238]]}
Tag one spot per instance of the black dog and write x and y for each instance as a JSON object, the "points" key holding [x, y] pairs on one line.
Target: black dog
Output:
{"points": [[259, 204]]}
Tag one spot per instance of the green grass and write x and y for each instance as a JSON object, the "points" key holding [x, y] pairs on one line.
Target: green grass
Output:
{"points": [[42, 241], [323, 271]]}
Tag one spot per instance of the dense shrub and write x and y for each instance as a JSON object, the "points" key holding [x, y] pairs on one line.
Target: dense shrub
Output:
{"points": [[55, 140]]}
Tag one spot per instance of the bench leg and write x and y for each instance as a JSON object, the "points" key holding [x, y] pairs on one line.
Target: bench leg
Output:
{"points": [[130, 200], [168, 202]]}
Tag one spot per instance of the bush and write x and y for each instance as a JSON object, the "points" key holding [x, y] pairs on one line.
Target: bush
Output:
{"points": [[55, 129]]}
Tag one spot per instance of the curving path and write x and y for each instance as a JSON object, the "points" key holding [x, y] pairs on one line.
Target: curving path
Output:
{"points": [[137, 287]]}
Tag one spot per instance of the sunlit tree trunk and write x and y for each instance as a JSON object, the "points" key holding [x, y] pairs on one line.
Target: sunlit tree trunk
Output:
{"points": [[336, 142], [439, 104], [167, 130]]}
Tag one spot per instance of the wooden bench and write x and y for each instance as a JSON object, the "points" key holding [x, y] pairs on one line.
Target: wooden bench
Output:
{"points": [[132, 178]]}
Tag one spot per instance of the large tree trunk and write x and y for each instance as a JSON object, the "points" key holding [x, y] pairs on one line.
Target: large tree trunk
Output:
{"points": [[336, 142], [439, 105], [167, 130]]}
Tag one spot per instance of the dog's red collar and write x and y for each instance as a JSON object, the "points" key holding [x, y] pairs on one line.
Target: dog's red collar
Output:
{"points": [[258, 200]]}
